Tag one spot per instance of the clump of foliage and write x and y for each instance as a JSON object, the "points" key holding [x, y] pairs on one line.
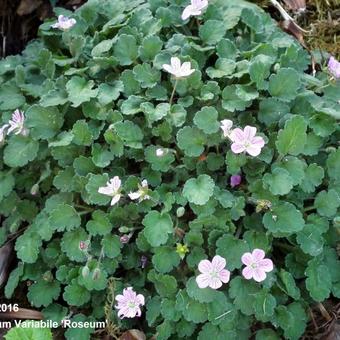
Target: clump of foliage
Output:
{"points": [[96, 102]]}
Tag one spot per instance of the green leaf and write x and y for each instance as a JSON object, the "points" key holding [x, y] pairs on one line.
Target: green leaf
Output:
{"points": [[27, 246], [64, 217], [166, 285], [75, 294], [111, 246], [20, 151], [130, 133], [63, 180], [199, 190], [259, 70], [146, 75], [333, 165], [10, 97], [292, 139], [42, 293], [7, 183], [223, 67], [295, 168], [159, 163], [157, 228], [151, 46], [28, 333], [195, 312], [165, 259], [94, 183], [80, 91], [267, 334], [125, 49], [206, 120], [264, 305], [109, 93], [284, 84], [288, 284], [279, 182], [43, 123], [313, 178], [70, 244], [132, 105], [319, 281], [212, 31], [310, 239], [13, 280], [99, 224], [327, 202], [283, 218], [191, 140], [231, 100], [81, 133], [232, 250]]}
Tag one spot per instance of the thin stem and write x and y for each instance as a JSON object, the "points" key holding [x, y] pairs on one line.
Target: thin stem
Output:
{"points": [[173, 92], [309, 208]]}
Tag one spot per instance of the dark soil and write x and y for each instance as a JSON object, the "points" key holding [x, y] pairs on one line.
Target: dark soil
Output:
{"points": [[20, 19]]}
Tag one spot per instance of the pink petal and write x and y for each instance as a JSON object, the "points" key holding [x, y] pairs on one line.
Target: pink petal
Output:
{"points": [[218, 263], [140, 299], [175, 63], [167, 68], [205, 267], [203, 280], [237, 135], [115, 199], [134, 195], [247, 259], [266, 265], [224, 275], [258, 254], [215, 283], [129, 293], [186, 12], [253, 150], [138, 312], [248, 273], [258, 141], [120, 298], [237, 148], [116, 182], [105, 191], [259, 275], [249, 132]]}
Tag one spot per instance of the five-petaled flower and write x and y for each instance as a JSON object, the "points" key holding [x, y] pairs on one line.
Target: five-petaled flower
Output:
{"points": [[177, 70], [226, 126], [213, 273], [142, 193], [112, 189], [334, 67], [17, 123], [256, 265], [129, 303], [246, 141], [195, 8], [64, 23]]}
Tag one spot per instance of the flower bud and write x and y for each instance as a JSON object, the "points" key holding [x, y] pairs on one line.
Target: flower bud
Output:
{"points": [[96, 274], [143, 261], [180, 212], [124, 229], [124, 239], [35, 189], [85, 271], [336, 221], [83, 245]]}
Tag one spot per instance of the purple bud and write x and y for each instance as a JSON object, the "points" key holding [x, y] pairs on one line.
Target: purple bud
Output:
{"points": [[124, 238], [96, 274], [143, 261], [235, 180], [83, 245]]}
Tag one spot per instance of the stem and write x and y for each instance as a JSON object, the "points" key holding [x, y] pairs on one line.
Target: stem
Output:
{"points": [[309, 208], [173, 92]]}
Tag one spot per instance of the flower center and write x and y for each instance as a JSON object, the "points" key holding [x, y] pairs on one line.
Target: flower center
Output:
{"points": [[254, 265], [131, 304], [214, 274]]}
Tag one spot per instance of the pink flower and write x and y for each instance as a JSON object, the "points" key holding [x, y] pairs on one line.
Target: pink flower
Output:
{"points": [[213, 273], [142, 193], [256, 265], [3, 133], [64, 23], [112, 189], [235, 180], [195, 8], [17, 123], [226, 125], [129, 303], [177, 69], [245, 140], [334, 67]]}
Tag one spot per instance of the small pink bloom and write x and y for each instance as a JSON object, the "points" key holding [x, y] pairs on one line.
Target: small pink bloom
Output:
{"points": [[160, 152], [246, 140], [177, 69], [235, 180], [17, 123], [334, 67], [226, 125], [125, 238], [112, 188], [129, 303], [256, 265], [64, 23], [196, 7], [83, 245], [213, 273]]}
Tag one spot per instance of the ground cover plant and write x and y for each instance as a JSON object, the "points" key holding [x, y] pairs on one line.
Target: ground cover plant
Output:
{"points": [[173, 168]]}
